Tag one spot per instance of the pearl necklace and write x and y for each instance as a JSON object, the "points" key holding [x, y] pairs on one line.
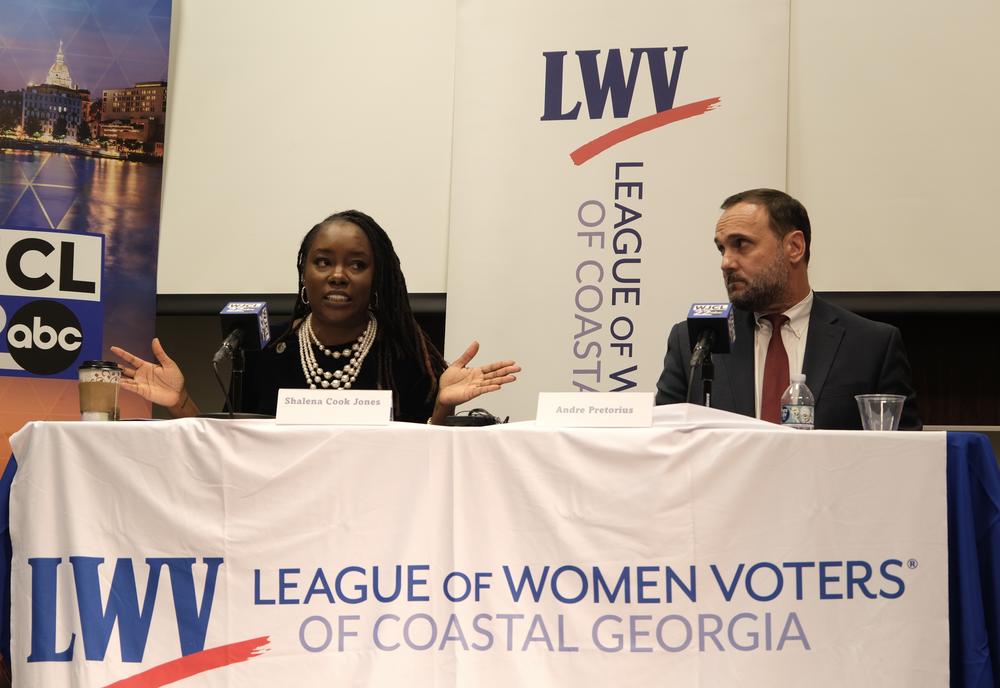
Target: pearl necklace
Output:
{"points": [[316, 375]]}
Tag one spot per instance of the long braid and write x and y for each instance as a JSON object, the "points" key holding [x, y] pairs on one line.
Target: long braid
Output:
{"points": [[399, 335]]}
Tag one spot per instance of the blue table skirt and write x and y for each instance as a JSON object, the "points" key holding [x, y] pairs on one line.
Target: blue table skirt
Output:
{"points": [[973, 560]]}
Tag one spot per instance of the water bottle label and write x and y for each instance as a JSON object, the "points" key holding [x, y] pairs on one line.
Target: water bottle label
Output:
{"points": [[794, 414]]}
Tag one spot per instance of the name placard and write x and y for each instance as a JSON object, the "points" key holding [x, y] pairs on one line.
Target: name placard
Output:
{"points": [[595, 409], [334, 407]]}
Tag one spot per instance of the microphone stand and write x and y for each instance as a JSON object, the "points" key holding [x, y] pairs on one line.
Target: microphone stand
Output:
{"points": [[236, 383], [701, 357], [235, 392], [707, 373]]}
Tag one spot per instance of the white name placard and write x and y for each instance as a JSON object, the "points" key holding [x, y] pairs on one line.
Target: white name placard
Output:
{"points": [[334, 407], [595, 409]]}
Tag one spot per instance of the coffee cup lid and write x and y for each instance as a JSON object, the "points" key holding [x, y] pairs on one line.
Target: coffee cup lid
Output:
{"points": [[99, 365]]}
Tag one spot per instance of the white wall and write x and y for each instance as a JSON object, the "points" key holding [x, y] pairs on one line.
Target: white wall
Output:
{"points": [[893, 145], [281, 113]]}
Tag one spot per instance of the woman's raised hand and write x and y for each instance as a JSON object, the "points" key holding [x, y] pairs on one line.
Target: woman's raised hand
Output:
{"points": [[161, 382], [459, 384]]}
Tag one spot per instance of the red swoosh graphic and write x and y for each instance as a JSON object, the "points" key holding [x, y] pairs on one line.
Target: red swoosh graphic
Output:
{"points": [[183, 667], [640, 126]]}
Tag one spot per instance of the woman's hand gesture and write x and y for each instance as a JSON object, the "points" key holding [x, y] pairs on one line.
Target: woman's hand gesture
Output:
{"points": [[459, 384], [161, 383]]}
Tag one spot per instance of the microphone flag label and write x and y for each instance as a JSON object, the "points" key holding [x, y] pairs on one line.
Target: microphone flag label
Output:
{"points": [[256, 308], [710, 310]]}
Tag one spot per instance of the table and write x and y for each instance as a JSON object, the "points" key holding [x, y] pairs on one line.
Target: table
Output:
{"points": [[709, 548]]}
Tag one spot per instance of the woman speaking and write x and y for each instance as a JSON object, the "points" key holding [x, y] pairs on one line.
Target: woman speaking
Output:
{"points": [[352, 328]]}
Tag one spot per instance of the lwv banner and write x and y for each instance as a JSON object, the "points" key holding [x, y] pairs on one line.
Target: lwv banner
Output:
{"points": [[594, 142], [247, 554]]}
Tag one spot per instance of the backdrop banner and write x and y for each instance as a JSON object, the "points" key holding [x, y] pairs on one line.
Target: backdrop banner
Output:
{"points": [[594, 143], [704, 550], [83, 99]]}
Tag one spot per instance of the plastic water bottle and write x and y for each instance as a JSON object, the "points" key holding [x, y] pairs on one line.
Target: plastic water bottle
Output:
{"points": [[798, 404]]}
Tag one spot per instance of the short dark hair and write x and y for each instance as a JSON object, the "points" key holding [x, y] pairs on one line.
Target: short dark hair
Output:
{"points": [[784, 212]]}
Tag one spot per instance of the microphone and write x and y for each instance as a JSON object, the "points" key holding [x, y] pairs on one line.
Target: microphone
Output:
{"points": [[712, 330], [244, 325]]}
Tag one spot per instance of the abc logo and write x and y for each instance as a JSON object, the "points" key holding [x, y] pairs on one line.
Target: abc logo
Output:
{"points": [[43, 337]]}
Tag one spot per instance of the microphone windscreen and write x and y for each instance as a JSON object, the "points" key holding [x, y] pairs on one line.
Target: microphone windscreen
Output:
{"points": [[250, 317], [716, 317]]}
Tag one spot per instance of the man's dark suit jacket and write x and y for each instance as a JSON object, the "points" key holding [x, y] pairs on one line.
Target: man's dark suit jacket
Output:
{"points": [[845, 355]]}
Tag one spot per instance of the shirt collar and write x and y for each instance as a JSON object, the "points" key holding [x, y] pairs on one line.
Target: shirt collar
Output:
{"points": [[798, 315]]}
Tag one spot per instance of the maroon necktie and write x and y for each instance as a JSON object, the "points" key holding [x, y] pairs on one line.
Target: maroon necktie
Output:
{"points": [[775, 371]]}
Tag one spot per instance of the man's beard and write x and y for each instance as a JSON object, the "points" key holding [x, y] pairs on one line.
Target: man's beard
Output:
{"points": [[767, 289]]}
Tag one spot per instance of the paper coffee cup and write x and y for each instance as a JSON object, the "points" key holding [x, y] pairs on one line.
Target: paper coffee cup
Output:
{"points": [[99, 390]]}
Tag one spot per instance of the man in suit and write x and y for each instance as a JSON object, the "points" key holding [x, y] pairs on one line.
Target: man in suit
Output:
{"points": [[763, 237]]}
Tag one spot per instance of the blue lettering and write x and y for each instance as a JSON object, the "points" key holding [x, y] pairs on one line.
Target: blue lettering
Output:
{"points": [[43, 613], [626, 217], [727, 591], [619, 87], [642, 584], [827, 578], [689, 589], [527, 577], [859, 581], [620, 377], [412, 582], [395, 591], [257, 599], [457, 596], [360, 589], [555, 584], [192, 623], [797, 566], [97, 622], [612, 595], [123, 607], [779, 583], [284, 585], [621, 279], [900, 585], [554, 88], [613, 84], [319, 585]]}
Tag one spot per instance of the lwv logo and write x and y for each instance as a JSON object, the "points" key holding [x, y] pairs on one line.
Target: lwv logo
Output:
{"points": [[598, 85], [123, 607], [613, 83]]}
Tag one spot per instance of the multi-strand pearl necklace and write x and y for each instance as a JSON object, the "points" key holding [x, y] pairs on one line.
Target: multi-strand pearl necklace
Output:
{"points": [[316, 375]]}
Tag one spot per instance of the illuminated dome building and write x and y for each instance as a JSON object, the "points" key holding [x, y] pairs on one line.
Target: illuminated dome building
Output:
{"points": [[59, 72]]}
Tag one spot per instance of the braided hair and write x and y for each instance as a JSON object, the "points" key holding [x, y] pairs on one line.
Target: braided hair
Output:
{"points": [[399, 334]]}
